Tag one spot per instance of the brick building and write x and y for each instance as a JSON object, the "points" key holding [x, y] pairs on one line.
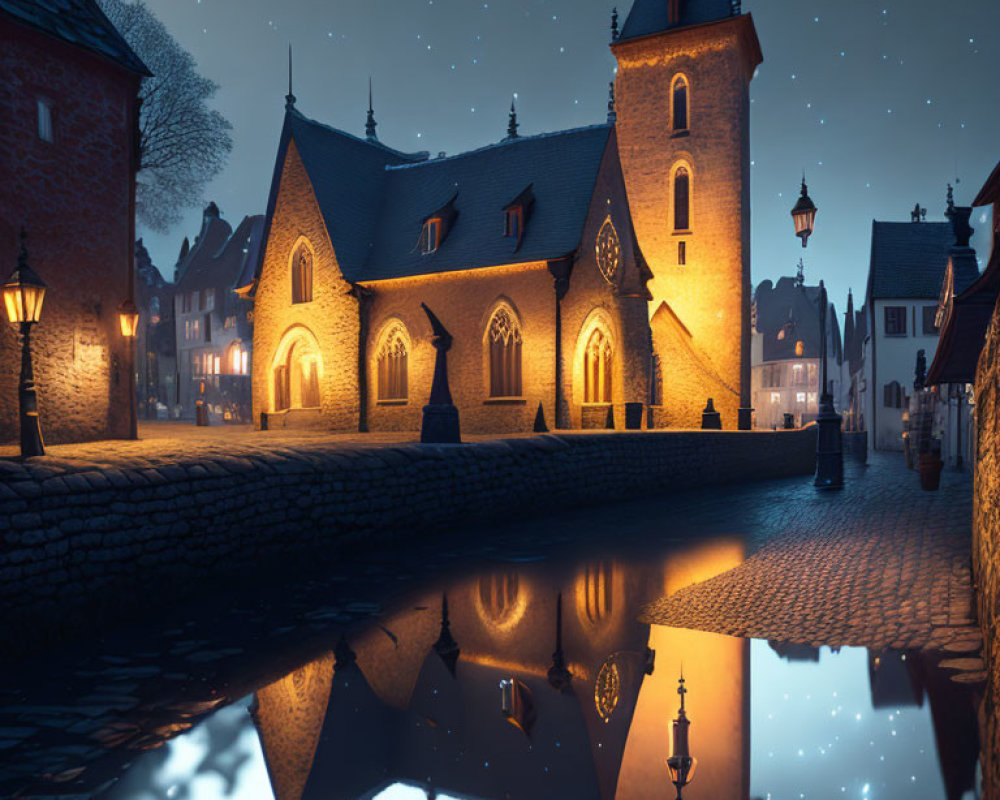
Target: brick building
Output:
{"points": [[787, 353], [596, 272], [213, 322], [68, 154], [156, 346]]}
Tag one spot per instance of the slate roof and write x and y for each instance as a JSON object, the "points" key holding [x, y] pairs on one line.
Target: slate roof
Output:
{"points": [[77, 22], [220, 256], [374, 200], [652, 16], [786, 306], [909, 259]]}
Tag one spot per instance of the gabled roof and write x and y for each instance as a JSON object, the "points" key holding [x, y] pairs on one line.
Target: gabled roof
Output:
{"points": [[562, 169], [908, 260], [794, 310], [221, 256], [653, 16], [77, 22]]}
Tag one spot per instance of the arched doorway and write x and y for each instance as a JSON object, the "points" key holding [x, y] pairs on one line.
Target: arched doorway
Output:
{"points": [[296, 371]]}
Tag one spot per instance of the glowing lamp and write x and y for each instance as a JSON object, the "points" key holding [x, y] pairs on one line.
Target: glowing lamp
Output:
{"points": [[804, 215], [23, 293], [681, 764], [128, 318]]}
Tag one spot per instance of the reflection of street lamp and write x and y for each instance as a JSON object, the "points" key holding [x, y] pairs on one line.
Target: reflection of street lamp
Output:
{"points": [[680, 763], [128, 318], [23, 294], [804, 215]]}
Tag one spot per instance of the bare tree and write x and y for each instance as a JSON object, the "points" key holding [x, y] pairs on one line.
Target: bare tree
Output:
{"points": [[183, 143]]}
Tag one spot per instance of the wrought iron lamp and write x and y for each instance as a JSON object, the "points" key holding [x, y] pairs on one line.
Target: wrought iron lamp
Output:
{"points": [[23, 294], [681, 764], [804, 215]]}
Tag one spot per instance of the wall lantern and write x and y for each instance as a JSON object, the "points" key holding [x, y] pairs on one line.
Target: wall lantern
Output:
{"points": [[680, 763], [23, 294], [804, 215], [128, 317]]}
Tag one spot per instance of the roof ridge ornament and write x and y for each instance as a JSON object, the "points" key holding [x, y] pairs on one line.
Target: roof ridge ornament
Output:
{"points": [[918, 214], [370, 124], [512, 124], [614, 24], [289, 98], [612, 113]]}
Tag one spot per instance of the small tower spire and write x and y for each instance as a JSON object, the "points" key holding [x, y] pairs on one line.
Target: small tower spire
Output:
{"points": [[512, 124], [370, 125], [800, 276], [289, 98], [612, 113], [950, 211], [614, 24]]}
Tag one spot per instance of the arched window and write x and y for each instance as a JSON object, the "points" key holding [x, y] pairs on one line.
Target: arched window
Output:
{"points": [[498, 594], [597, 591], [296, 370], [680, 101], [504, 339], [237, 359], [392, 364], [302, 275], [597, 368], [682, 199]]}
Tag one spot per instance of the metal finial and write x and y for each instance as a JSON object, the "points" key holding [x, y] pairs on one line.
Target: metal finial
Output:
{"points": [[951, 202], [800, 276], [512, 124], [612, 113], [289, 98], [371, 124], [614, 24], [681, 690]]}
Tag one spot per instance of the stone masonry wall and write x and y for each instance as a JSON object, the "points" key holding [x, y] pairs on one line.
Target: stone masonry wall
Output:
{"points": [[81, 539], [986, 545]]}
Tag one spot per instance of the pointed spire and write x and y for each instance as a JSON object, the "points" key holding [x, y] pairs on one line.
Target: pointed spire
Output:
{"points": [[370, 125], [446, 647], [612, 114], [800, 275], [512, 124], [950, 211], [559, 675], [289, 98], [614, 24]]}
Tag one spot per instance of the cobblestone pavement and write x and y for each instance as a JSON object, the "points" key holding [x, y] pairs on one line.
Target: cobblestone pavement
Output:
{"points": [[881, 564]]}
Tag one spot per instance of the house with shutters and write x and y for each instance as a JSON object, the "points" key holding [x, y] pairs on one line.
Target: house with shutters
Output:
{"points": [[600, 273]]}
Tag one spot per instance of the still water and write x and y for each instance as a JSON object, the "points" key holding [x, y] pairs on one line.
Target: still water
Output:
{"points": [[513, 669]]}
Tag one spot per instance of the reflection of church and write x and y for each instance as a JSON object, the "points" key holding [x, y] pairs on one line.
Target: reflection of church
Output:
{"points": [[511, 692], [602, 272]]}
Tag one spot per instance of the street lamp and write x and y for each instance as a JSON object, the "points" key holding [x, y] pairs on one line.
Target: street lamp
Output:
{"points": [[23, 294], [680, 763], [804, 215]]}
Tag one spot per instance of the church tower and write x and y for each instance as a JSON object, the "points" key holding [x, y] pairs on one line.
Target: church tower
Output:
{"points": [[683, 124]]}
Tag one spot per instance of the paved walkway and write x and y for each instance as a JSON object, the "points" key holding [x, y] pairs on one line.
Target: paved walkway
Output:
{"points": [[880, 565]]}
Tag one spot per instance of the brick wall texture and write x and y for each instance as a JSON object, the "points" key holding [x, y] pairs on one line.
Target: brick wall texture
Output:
{"points": [[82, 540], [986, 545], [72, 196]]}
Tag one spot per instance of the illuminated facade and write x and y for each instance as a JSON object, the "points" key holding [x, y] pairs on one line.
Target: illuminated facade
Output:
{"points": [[532, 253]]}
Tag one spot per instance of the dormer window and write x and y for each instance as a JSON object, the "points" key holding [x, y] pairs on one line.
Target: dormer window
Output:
{"points": [[430, 238], [515, 215], [512, 223]]}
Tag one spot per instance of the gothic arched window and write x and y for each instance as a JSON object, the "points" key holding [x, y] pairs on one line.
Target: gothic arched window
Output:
{"points": [[302, 275], [682, 199], [504, 340], [680, 103], [597, 368], [392, 364]]}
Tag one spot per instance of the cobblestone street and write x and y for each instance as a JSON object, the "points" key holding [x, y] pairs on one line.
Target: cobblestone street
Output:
{"points": [[880, 565]]}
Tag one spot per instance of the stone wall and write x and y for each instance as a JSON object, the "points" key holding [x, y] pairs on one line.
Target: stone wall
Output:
{"points": [[72, 196], [80, 542], [986, 545]]}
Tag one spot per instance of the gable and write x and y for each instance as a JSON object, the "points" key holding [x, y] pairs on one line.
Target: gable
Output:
{"points": [[648, 17]]}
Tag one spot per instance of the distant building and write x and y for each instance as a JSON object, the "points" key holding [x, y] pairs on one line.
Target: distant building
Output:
{"points": [[213, 323], [787, 346], [908, 266], [156, 345], [69, 145], [855, 335], [602, 273]]}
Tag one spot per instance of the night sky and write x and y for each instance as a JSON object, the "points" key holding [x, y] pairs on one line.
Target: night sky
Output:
{"points": [[882, 103]]}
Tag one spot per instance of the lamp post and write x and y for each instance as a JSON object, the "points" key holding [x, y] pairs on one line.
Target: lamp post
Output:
{"points": [[128, 319], [23, 294], [680, 763]]}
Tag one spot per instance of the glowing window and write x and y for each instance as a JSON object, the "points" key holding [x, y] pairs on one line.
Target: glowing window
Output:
{"points": [[597, 368], [498, 594], [237, 359], [680, 100], [504, 340], [775, 398], [302, 275], [430, 237], [800, 397], [682, 199], [800, 347], [392, 359], [597, 591]]}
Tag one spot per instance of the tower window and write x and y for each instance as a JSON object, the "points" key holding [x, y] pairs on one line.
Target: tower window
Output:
{"points": [[680, 101], [682, 199], [681, 253], [45, 121]]}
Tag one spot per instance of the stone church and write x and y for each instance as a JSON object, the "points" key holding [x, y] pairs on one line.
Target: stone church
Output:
{"points": [[602, 273]]}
